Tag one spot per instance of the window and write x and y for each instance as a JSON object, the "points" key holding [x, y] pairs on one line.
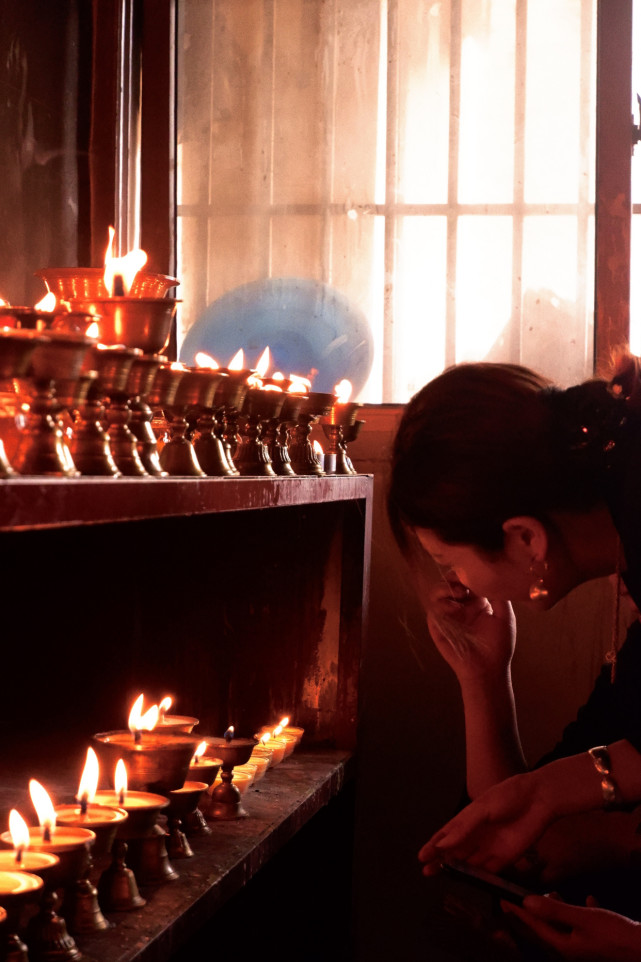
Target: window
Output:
{"points": [[432, 160]]}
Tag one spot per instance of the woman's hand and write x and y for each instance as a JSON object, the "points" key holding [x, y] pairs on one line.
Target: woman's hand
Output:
{"points": [[476, 637], [587, 934], [582, 843], [501, 824], [497, 828]]}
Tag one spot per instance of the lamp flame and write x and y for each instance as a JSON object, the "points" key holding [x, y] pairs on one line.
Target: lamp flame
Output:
{"points": [[164, 706], [47, 303], [93, 330], [200, 751], [229, 734], [265, 738], [19, 831], [343, 391], [319, 454], [299, 385], [135, 715], [237, 362], [121, 781], [88, 780], [263, 363], [202, 359], [150, 719], [139, 722], [126, 267], [44, 808], [276, 732], [4, 303], [284, 722]]}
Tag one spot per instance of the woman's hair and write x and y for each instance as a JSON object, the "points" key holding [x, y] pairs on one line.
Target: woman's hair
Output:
{"points": [[485, 442]]}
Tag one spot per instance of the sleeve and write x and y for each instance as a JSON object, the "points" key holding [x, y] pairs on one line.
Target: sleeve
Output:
{"points": [[612, 711]]}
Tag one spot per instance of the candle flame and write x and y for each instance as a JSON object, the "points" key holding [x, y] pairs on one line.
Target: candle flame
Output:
{"points": [[127, 266], [263, 363], [93, 330], [278, 376], [4, 303], [299, 385], [150, 719], [135, 715], [43, 805], [200, 751], [178, 366], [89, 779], [165, 705], [138, 721], [284, 722], [47, 303], [121, 780], [265, 738], [229, 734], [319, 454], [202, 359], [343, 391], [276, 732], [19, 831], [237, 362]]}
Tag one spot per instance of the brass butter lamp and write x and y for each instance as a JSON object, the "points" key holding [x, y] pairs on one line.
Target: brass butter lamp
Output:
{"points": [[42, 447], [225, 801]]}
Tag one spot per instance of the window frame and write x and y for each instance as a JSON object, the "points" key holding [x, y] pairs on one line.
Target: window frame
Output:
{"points": [[613, 209]]}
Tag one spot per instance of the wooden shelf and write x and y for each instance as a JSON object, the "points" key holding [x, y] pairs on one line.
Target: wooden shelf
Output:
{"points": [[28, 503], [203, 590], [278, 807]]}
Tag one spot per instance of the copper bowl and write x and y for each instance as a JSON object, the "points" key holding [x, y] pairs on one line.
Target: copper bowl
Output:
{"points": [[237, 751], [262, 404], [60, 356], [158, 763], [86, 283], [176, 724], [320, 404], [142, 322], [16, 349]]}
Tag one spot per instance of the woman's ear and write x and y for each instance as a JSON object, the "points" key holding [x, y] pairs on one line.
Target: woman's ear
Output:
{"points": [[526, 539]]}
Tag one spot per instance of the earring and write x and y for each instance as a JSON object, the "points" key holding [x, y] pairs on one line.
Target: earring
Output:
{"points": [[537, 588]]}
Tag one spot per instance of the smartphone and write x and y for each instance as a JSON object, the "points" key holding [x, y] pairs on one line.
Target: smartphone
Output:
{"points": [[501, 887]]}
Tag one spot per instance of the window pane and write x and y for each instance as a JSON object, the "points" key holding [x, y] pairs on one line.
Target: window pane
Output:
{"points": [[556, 329], [486, 164], [557, 163], [483, 288], [424, 101], [419, 302], [431, 160]]}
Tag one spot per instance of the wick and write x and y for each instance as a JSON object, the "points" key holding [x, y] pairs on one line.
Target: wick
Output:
{"points": [[83, 804], [137, 737], [121, 797], [46, 832], [119, 285], [19, 852]]}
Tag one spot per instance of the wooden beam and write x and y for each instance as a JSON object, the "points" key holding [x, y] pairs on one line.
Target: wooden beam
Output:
{"points": [[157, 175], [613, 164]]}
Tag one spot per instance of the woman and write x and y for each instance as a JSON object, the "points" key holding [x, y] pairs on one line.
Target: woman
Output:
{"points": [[521, 492]]}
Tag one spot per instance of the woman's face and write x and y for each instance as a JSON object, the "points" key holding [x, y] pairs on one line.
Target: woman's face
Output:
{"points": [[495, 576]]}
